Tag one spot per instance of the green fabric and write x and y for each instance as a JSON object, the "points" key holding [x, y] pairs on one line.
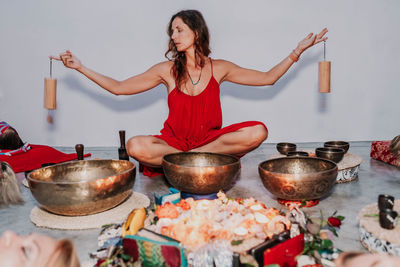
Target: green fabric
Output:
{"points": [[155, 258]]}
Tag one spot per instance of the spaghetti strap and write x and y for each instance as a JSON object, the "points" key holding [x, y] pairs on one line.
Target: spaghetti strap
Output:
{"points": [[212, 73]]}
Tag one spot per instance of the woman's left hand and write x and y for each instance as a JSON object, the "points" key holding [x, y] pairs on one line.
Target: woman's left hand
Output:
{"points": [[311, 40]]}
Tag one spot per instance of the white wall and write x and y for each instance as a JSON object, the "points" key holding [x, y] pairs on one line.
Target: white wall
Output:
{"points": [[123, 38]]}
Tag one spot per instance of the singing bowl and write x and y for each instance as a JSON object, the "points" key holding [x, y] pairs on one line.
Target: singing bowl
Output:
{"points": [[338, 144], [284, 148], [297, 154], [82, 187], [298, 178], [331, 153], [200, 173]]}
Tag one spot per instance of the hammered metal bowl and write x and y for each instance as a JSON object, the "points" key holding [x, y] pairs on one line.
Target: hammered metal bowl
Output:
{"points": [[297, 154], [284, 148], [338, 144], [298, 178], [201, 173], [331, 153], [82, 187]]}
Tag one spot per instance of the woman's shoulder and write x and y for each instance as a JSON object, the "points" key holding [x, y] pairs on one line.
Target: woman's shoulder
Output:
{"points": [[222, 63], [163, 70], [164, 66]]}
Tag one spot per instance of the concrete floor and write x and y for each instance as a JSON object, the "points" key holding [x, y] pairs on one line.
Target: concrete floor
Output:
{"points": [[374, 178]]}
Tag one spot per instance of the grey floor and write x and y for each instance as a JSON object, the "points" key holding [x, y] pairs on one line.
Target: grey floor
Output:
{"points": [[374, 178]]}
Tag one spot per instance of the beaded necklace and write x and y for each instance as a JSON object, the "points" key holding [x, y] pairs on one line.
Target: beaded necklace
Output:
{"points": [[195, 83]]}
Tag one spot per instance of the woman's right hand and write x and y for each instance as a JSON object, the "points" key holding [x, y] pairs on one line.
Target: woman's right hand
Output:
{"points": [[69, 60]]}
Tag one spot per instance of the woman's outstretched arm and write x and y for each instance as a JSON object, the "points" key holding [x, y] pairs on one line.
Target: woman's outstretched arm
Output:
{"points": [[134, 85], [236, 74]]}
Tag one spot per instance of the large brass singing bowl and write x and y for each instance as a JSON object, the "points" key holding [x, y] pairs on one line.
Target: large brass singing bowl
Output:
{"points": [[82, 187], [201, 173], [298, 178]]}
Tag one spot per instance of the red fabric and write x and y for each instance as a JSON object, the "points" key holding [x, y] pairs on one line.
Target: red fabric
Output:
{"points": [[285, 253], [36, 156], [194, 121], [380, 151]]}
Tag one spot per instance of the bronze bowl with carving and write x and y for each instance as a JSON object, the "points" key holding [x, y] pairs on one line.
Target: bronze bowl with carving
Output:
{"points": [[331, 153], [284, 147], [298, 178], [82, 187], [338, 144], [201, 173], [297, 154]]}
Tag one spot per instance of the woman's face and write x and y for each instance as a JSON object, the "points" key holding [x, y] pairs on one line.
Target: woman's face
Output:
{"points": [[182, 35], [30, 251]]}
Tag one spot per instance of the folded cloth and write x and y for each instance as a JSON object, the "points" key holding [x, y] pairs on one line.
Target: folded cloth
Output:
{"points": [[380, 151], [36, 156]]}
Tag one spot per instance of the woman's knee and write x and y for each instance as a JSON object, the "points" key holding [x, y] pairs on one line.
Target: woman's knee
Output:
{"points": [[136, 147], [258, 134]]}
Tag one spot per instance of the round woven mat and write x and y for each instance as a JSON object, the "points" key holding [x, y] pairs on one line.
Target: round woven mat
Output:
{"points": [[371, 224], [42, 218], [349, 160]]}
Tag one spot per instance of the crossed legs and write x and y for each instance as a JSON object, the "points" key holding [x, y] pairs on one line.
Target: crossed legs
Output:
{"points": [[150, 150]]}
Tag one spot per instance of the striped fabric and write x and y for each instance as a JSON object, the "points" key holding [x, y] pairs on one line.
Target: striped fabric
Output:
{"points": [[3, 127]]}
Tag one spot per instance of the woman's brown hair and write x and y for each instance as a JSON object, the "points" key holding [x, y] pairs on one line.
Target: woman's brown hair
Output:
{"points": [[10, 139], [195, 21]]}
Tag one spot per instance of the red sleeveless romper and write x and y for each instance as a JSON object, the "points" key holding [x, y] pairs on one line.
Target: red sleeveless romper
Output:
{"points": [[195, 121]]}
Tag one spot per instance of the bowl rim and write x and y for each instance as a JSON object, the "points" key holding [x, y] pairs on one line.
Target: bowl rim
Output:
{"points": [[29, 178], [299, 152], [164, 161], [286, 144], [337, 143], [333, 150], [296, 158]]}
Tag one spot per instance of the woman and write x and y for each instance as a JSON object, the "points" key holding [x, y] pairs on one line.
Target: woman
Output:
{"points": [[357, 259], [10, 142], [192, 80], [36, 251]]}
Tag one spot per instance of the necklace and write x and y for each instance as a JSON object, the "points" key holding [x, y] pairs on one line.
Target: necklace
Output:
{"points": [[194, 83]]}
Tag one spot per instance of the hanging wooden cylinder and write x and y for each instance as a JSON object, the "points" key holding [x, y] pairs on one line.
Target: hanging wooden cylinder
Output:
{"points": [[50, 93], [324, 71]]}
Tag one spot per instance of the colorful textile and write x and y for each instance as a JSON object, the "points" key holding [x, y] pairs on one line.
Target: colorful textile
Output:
{"points": [[35, 157], [17, 151], [284, 254], [380, 151], [4, 126], [162, 252], [195, 121]]}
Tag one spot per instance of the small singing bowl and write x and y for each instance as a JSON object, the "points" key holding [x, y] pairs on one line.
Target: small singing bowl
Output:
{"points": [[331, 153], [82, 187], [297, 154], [201, 173], [284, 148], [338, 144], [298, 178]]}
